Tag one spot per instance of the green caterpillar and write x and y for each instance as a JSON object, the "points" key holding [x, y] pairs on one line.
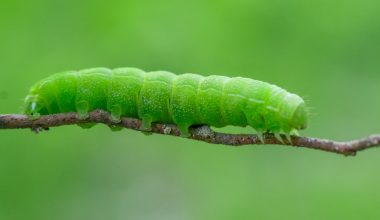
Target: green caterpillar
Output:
{"points": [[160, 96]]}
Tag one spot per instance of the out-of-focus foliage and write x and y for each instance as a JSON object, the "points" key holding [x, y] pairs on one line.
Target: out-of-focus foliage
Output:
{"points": [[326, 51]]}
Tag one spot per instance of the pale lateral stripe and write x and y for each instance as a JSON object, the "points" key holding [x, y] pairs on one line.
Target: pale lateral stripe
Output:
{"points": [[256, 100], [271, 108]]}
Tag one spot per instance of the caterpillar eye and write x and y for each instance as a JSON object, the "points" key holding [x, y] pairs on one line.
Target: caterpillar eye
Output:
{"points": [[34, 115]]}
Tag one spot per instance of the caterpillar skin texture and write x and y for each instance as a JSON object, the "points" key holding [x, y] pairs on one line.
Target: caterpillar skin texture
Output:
{"points": [[160, 96]]}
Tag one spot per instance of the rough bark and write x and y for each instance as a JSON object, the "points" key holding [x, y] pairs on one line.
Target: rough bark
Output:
{"points": [[200, 133]]}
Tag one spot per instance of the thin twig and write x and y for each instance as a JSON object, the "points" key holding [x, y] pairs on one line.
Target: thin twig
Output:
{"points": [[200, 133]]}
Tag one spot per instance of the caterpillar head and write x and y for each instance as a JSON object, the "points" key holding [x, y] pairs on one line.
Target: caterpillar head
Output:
{"points": [[33, 106]]}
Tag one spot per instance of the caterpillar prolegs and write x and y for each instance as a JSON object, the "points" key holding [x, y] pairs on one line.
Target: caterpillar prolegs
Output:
{"points": [[160, 96]]}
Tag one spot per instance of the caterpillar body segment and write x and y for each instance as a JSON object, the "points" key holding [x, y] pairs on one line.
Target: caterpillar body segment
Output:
{"points": [[154, 99], [160, 96], [183, 102], [124, 92]]}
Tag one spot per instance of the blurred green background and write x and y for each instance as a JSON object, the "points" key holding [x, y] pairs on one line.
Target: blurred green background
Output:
{"points": [[327, 51]]}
